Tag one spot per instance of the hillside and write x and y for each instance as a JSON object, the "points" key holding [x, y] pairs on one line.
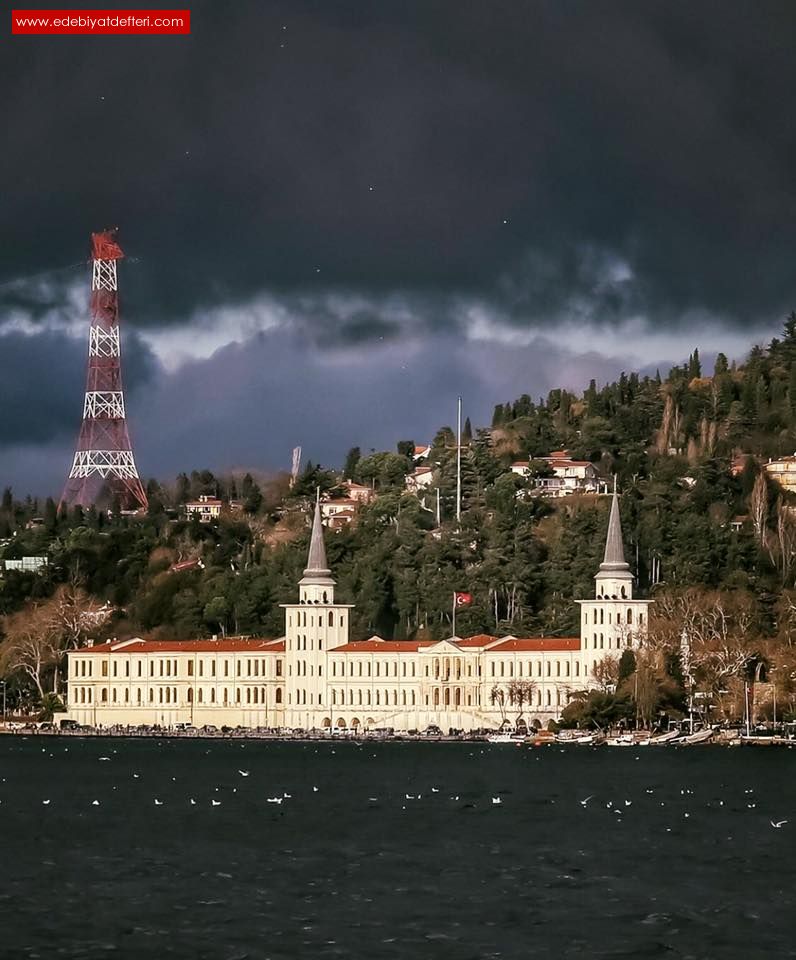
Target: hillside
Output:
{"points": [[698, 512]]}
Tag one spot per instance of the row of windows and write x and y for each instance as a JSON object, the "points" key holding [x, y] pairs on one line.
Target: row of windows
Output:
{"points": [[303, 669], [379, 698], [163, 667], [628, 616], [612, 643], [324, 620], [169, 695], [562, 669], [363, 669], [302, 643]]}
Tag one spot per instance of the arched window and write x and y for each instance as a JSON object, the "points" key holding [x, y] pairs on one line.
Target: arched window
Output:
{"points": [[334, 698], [629, 615], [403, 698], [104, 695], [377, 698], [200, 695], [548, 700], [359, 697], [248, 695], [622, 593], [278, 694], [325, 598], [413, 698], [602, 616], [331, 619], [213, 696]]}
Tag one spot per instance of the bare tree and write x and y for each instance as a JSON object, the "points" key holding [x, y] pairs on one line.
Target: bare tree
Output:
{"points": [[30, 648], [520, 694], [38, 636], [497, 697], [758, 507], [606, 672]]}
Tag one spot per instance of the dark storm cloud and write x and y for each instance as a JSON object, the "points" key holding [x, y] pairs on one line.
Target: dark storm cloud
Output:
{"points": [[448, 180], [290, 145], [43, 379]]}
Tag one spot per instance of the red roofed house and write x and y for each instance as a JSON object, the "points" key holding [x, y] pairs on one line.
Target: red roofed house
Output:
{"points": [[317, 677], [206, 508], [569, 476]]}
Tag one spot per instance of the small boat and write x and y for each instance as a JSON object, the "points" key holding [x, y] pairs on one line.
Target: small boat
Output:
{"points": [[626, 740], [505, 738], [702, 736], [669, 737], [580, 741]]}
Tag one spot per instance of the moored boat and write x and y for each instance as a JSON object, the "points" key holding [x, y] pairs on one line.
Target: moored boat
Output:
{"points": [[701, 736], [669, 737]]}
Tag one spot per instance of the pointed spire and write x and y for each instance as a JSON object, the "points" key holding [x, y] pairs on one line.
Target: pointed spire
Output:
{"points": [[614, 557], [317, 567]]}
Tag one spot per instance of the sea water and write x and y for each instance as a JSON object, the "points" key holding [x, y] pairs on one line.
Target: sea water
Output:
{"points": [[230, 849]]}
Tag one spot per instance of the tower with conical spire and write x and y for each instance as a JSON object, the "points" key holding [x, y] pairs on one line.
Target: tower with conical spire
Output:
{"points": [[614, 621], [313, 626]]}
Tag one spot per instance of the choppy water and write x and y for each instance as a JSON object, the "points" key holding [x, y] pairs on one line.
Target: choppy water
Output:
{"points": [[684, 863]]}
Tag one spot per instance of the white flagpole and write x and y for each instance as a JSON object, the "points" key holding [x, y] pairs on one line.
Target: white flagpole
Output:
{"points": [[459, 461], [453, 616]]}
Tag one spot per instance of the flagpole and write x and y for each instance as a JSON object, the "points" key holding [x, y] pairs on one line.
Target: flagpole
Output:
{"points": [[459, 461], [453, 615]]}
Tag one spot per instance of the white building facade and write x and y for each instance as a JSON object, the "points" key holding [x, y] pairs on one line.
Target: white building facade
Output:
{"points": [[316, 678]]}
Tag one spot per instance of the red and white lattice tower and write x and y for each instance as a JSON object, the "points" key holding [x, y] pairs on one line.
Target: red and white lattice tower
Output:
{"points": [[104, 468]]}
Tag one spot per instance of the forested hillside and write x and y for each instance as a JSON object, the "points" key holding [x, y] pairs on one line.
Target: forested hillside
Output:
{"points": [[698, 512]]}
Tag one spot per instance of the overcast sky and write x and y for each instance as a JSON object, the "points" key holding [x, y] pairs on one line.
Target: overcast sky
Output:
{"points": [[339, 216]]}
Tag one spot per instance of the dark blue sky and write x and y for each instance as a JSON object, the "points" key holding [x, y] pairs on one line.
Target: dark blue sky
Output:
{"points": [[342, 215]]}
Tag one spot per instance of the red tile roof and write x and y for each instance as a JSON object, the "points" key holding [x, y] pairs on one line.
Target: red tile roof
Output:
{"points": [[480, 640], [225, 645], [383, 646], [537, 645]]}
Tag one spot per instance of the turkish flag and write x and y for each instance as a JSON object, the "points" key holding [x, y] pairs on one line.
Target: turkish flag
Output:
{"points": [[463, 599]]}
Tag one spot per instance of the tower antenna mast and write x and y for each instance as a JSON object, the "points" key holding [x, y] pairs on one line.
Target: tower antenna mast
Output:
{"points": [[103, 467]]}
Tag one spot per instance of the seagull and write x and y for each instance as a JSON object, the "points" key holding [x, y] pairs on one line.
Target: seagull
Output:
{"points": [[434, 790], [158, 803], [45, 802], [409, 796], [584, 802], [104, 758], [454, 798], [135, 776], [215, 803], [243, 773], [628, 802], [314, 789], [376, 800], [193, 802], [95, 803], [274, 800], [287, 796], [496, 800], [776, 826]]}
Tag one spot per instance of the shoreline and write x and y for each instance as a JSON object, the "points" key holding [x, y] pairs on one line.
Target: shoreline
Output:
{"points": [[534, 742]]}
